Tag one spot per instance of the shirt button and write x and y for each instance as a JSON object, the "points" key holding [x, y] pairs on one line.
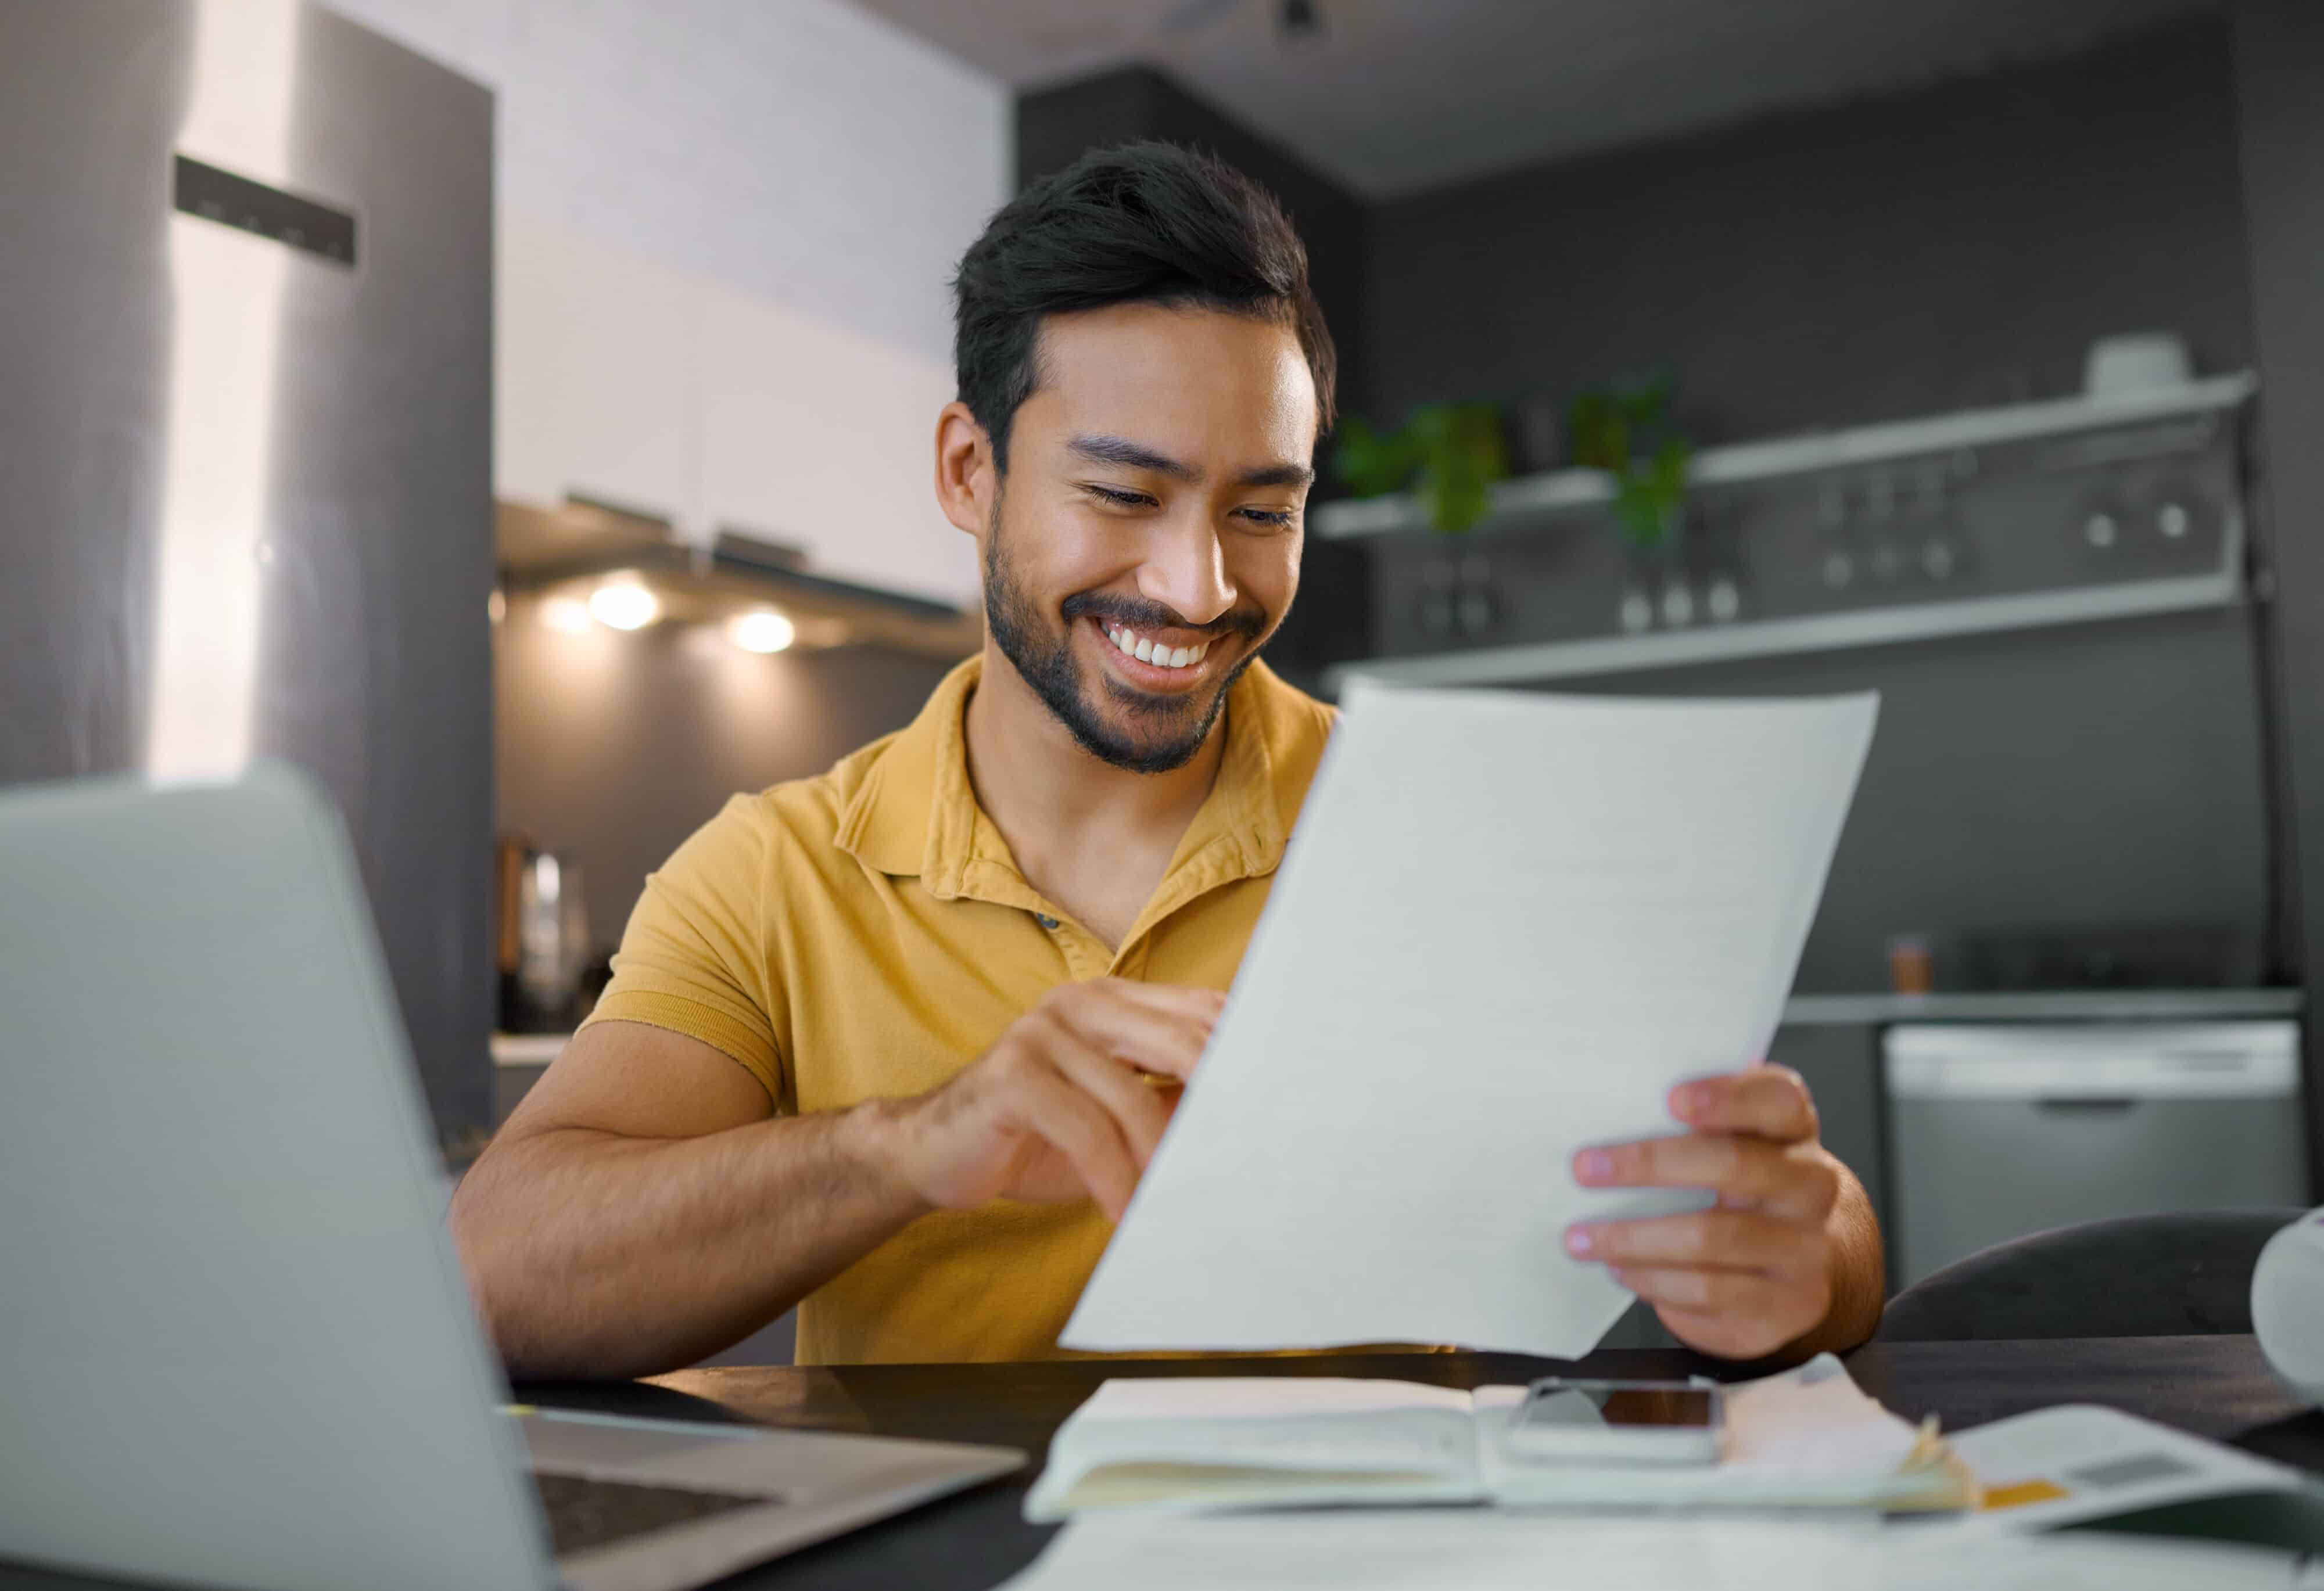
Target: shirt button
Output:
{"points": [[1044, 920]]}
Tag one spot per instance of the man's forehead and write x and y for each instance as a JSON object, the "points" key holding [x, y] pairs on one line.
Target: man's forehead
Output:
{"points": [[1178, 382]]}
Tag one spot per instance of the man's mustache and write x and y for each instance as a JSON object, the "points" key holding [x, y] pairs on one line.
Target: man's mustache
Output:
{"points": [[1134, 614]]}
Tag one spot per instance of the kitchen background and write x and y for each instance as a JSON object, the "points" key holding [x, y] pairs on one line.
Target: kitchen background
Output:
{"points": [[2059, 965]]}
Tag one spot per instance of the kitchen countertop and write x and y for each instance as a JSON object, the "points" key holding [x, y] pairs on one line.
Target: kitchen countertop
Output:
{"points": [[1855, 1010]]}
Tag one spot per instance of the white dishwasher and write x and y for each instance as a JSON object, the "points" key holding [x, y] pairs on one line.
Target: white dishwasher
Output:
{"points": [[1997, 1130]]}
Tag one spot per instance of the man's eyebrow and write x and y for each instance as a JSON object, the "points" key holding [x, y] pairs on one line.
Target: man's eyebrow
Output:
{"points": [[1282, 474], [1120, 450]]}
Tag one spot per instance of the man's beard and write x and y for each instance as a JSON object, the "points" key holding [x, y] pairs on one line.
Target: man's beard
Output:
{"points": [[1049, 665]]}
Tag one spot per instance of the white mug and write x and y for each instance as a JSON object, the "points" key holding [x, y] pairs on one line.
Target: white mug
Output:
{"points": [[2136, 362], [2287, 1303]]}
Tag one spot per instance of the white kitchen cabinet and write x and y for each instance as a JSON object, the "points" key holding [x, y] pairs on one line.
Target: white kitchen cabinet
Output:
{"points": [[597, 392], [624, 381], [825, 439]]}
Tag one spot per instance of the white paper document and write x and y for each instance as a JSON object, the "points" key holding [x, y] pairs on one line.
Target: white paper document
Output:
{"points": [[2079, 1461], [1507, 925]]}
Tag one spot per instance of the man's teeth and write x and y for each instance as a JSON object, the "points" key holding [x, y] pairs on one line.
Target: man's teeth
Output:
{"points": [[1143, 648]]}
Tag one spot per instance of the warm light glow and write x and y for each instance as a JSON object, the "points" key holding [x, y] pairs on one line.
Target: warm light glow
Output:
{"points": [[623, 605], [566, 615], [763, 630], [226, 324]]}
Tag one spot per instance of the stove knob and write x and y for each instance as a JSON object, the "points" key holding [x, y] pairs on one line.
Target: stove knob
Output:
{"points": [[1678, 604]]}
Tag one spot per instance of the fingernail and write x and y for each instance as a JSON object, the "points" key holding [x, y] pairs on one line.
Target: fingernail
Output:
{"points": [[1578, 1241], [1689, 1100], [1593, 1166]]}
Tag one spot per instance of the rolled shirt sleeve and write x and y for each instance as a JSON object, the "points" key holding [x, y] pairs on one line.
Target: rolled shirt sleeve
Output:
{"points": [[692, 960]]}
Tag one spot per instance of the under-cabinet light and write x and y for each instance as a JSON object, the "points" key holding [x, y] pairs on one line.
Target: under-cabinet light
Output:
{"points": [[763, 630]]}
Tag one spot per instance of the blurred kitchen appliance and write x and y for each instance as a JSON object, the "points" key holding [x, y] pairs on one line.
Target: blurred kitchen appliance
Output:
{"points": [[245, 314], [1997, 1130], [544, 938]]}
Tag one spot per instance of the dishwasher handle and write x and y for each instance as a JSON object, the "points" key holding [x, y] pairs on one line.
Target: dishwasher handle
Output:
{"points": [[2102, 1065]]}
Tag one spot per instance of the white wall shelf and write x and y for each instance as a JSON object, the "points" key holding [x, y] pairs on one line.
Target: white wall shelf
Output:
{"points": [[2221, 586], [1820, 632], [1795, 455]]}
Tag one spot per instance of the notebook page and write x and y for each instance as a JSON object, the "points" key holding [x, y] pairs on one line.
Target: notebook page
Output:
{"points": [[1309, 1422], [1227, 1441]]}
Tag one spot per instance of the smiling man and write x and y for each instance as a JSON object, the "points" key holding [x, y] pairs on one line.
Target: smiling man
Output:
{"points": [[893, 1044]]}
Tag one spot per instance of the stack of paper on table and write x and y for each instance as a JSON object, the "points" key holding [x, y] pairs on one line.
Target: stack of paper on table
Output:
{"points": [[1506, 926], [1808, 1437]]}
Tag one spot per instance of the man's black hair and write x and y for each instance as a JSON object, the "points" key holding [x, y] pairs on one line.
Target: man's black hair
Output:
{"points": [[1147, 223]]}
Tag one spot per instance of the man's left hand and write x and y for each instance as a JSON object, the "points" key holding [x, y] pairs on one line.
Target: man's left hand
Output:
{"points": [[1753, 1273]]}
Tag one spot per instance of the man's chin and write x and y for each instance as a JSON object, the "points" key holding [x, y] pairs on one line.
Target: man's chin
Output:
{"points": [[1142, 749], [1143, 733]]}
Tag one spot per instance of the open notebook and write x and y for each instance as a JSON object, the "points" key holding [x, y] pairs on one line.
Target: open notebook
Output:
{"points": [[1808, 1437]]}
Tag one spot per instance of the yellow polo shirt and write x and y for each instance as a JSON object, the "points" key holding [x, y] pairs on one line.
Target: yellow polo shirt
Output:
{"points": [[866, 934]]}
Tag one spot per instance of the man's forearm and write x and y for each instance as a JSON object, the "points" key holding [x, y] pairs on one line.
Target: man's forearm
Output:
{"points": [[595, 1254]]}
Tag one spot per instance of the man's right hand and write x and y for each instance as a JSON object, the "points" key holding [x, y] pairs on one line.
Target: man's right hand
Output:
{"points": [[1066, 1104]]}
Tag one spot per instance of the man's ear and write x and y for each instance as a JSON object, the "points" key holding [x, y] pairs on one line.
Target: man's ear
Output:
{"points": [[967, 482]]}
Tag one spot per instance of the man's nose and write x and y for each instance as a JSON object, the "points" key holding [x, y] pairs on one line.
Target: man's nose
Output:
{"points": [[1185, 571]]}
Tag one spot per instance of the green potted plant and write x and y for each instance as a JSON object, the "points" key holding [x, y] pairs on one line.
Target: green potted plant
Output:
{"points": [[1625, 431], [1449, 454]]}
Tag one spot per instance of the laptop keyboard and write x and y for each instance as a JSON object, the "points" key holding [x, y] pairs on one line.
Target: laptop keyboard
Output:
{"points": [[584, 1512]]}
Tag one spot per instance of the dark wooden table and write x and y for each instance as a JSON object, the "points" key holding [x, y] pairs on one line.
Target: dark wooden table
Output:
{"points": [[2215, 1386]]}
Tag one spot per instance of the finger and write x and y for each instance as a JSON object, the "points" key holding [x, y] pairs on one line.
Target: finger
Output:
{"points": [[1138, 1112], [1751, 1172], [1192, 999], [1715, 1239], [1731, 1313], [1154, 1028], [1791, 1305], [1045, 1105], [1734, 1336], [1765, 1102]]}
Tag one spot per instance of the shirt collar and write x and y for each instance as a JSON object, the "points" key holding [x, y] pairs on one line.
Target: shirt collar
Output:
{"points": [[915, 813]]}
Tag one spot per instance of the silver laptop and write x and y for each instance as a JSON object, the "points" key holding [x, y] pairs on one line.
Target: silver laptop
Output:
{"points": [[235, 1344]]}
